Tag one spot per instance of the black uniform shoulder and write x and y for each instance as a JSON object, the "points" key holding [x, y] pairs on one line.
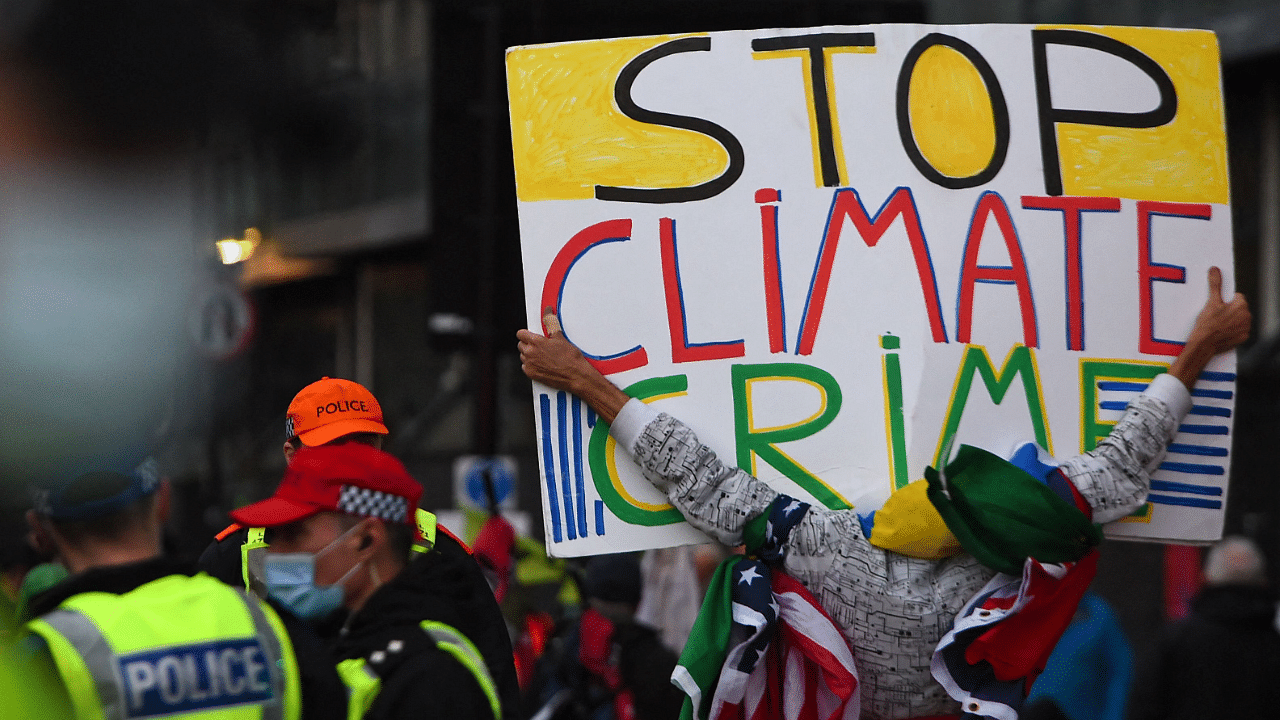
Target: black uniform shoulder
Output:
{"points": [[114, 579], [428, 682], [222, 559], [444, 586]]}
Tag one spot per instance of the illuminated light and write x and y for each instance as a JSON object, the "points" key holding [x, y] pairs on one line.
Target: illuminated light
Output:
{"points": [[234, 250]]}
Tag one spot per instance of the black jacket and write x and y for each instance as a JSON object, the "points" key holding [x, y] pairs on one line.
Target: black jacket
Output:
{"points": [[323, 695], [1223, 661], [445, 585], [420, 679]]}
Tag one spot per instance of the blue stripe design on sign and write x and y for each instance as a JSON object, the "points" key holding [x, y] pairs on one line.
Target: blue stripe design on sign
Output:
{"points": [[1205, 450], [600, 517], [195, 677], [566, 483], [1192, 468], [577, 466], [1185, 501], [1119, 386], [1195, 409], [1217, 376], [1167, 486], [1116, 385], [549, 465], [1202, 429]]}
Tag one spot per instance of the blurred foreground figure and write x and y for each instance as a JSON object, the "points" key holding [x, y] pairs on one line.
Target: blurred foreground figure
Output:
{"points": [[950, 596], [1223, 660], [108, 113], [135, 634]]}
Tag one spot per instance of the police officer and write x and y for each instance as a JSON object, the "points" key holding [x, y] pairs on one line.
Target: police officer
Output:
{"points": [[340, 529], [333, 412], [135, 634]]}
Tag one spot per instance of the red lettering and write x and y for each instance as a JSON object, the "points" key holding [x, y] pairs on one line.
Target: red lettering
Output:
{"points": [[558, 274], [992, 205], [773, 310], [681, 349], [847, 204], [1072, 209], [1151, 272]]}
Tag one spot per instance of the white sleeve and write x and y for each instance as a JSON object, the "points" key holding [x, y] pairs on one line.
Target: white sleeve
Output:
{"points": [[630, 422], [716, 498], [1115, 476]]}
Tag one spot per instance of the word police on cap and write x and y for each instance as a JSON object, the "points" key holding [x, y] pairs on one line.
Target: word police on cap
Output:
{"points": [[342, 406], [195, 677]]}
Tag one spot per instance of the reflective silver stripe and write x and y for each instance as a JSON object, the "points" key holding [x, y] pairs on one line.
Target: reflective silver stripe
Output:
{"points": [[272, 709], [458, 645], [98, 657], [459, 641]]}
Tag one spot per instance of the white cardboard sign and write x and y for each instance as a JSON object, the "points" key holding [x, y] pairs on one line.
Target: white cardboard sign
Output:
{"points": [[832, 250]]}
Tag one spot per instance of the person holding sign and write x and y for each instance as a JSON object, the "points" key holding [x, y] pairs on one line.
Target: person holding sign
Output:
{"points": [[953, 594]]}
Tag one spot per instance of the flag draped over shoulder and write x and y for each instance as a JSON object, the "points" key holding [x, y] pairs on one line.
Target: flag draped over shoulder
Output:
{"points": [[762, 647], [1024, 518]]}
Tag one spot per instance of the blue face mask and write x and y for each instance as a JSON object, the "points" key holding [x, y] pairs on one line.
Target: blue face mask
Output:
{"points": [[291, 580]]}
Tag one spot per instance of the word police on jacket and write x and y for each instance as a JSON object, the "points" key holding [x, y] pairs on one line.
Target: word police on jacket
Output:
{"points": [[195, 677]]}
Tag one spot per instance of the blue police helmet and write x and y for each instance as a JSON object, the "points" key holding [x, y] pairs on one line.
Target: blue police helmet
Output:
{"points": [[98, 492]]}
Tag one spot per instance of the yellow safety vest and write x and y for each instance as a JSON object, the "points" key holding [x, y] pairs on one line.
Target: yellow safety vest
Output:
{"points": [[363, 682], [254, 550], [180, 646]]}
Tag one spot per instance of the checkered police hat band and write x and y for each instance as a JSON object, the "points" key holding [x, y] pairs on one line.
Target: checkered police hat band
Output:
{"points": [[373, 503]]}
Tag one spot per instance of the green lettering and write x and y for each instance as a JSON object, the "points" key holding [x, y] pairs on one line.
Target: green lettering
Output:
{"points": [[1092, 429], [607, 484], [1020, 363], [764, 443]]}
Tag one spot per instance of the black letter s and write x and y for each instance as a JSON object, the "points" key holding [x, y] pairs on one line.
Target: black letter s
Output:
{"points": [[622, 94]]}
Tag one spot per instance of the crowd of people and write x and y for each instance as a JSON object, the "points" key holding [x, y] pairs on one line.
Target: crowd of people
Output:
{"points": [[337, 596]]}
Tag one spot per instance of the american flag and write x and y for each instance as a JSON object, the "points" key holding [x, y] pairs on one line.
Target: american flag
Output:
{"points": [[773, 652]]}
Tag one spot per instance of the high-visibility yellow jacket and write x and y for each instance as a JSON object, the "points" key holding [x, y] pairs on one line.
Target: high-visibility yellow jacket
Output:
{"points": [[179, 646]]}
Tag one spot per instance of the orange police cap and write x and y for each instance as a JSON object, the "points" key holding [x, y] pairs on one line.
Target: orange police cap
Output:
{"points": [[330, 408]]}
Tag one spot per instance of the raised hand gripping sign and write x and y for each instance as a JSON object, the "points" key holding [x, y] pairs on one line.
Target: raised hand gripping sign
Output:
{"points": [[836, 252]]}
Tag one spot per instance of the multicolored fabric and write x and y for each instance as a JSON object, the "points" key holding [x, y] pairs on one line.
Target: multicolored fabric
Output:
{"points": [[766, 534], [1002, 515], [762, 646], [1039, 464], [772, 652], [909, 524], [1002, 639], [861, 585]]}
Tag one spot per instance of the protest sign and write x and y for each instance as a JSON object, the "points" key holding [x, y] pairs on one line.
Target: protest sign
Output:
{"points": [[838, 252]]}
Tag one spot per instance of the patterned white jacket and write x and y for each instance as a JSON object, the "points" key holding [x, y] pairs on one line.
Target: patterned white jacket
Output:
{"points": [[894, 609]]}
